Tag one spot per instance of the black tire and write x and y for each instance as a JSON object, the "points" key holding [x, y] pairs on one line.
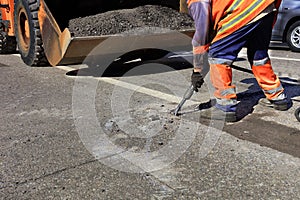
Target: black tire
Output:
{"points": [[297, 114], [293, 37], [8, 44], [28, 33]]}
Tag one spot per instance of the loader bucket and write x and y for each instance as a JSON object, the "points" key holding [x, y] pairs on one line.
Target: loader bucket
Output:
{"points": [[61, 48]]}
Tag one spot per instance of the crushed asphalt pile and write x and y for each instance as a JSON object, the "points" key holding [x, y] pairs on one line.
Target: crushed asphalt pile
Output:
{"points": [[127, 20]]}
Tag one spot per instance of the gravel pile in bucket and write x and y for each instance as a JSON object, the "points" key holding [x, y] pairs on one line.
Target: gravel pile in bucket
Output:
{"points": [[126, 20]]}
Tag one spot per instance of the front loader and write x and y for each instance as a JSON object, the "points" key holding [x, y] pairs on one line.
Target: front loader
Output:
{"points": [[39, 28]]}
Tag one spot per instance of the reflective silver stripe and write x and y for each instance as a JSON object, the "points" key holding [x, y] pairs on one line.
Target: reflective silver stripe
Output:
{"points": [[268, 10], [280, 97], [219, 61], [227, 91], [261, 62], [225, 102], [246, 12], [274, 91], [234, 6]]}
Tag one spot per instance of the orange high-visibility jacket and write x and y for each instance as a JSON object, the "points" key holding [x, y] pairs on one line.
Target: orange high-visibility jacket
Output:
{"points": [[230, 15]]}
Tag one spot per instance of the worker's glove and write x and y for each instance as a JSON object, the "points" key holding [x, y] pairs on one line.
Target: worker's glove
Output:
{"points": [[197, 80]]}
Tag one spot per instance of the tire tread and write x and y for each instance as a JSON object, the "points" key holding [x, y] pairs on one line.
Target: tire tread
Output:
{"points": [[38, 57]]}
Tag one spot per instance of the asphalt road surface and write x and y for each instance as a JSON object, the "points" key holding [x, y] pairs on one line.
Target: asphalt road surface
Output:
{"points": [[77, 132]]}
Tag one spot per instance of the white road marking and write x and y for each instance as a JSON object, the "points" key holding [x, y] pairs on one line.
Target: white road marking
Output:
{"points": [[65, 68], [287, 59], [276, 58], [140, 89], [243, 53], [132, 61]]}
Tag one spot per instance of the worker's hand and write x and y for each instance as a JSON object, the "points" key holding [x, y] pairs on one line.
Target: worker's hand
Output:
{"points": [[197, 80]]}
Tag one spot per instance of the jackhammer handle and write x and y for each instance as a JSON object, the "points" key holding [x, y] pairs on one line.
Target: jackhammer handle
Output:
{"points": [[187, 95]]}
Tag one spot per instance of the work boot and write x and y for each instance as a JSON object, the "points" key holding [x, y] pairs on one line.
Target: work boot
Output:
{"points": [[218, 114], [281, 105]]}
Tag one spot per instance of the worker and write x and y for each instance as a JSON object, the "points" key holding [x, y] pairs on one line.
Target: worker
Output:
{"points": [[222, 29]]}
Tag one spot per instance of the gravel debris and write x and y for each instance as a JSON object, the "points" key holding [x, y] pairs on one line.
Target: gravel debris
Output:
{"points": [[126, 20]]}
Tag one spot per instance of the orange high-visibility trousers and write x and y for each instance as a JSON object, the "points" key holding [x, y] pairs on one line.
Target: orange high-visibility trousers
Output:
{"points": [[221, 78], [267, 80]]}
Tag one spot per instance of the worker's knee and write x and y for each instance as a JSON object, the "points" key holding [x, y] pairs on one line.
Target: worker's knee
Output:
{"points": [[256, 57], [221, 61], [261, 62]]}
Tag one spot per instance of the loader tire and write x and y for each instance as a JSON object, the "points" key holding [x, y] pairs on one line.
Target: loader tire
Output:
{"points": [[8, 44], [28, 33]]}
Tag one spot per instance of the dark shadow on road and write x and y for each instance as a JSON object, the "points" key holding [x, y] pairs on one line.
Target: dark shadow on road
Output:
{"points": [[130, 60], [252, 128], [250, 98], [265, 133], [279, 46]]}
